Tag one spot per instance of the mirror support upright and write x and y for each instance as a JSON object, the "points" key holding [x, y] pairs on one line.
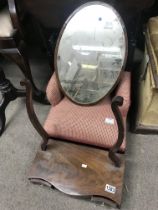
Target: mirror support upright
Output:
{"points": [[116, 102], [32, 116]]}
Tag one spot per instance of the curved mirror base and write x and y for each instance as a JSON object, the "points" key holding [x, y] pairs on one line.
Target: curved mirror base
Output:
{"points": [[77, 175]]}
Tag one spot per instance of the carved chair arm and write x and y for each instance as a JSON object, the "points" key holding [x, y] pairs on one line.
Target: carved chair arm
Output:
{"points": [[116, 102], [31, 113]]}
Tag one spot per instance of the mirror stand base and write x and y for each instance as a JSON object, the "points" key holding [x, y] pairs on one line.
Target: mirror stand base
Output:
{"points": [[79, 170]]}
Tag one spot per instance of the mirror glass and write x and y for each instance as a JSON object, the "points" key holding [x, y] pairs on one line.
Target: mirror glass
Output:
{"points": [[90, 53]]}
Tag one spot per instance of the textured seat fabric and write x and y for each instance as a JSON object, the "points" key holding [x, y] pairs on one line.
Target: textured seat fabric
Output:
{"points": [[94, 125], [6, 27], [53, 92]]}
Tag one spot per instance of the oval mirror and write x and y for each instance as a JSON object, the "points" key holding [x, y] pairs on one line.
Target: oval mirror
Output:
{"points": [[91, 52]]}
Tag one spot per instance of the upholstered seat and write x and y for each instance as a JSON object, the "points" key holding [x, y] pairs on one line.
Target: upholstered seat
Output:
{"points": [[93, 125], [6, 27]]}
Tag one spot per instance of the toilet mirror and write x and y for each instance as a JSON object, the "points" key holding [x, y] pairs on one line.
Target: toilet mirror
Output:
{"points": [[91, 53]]}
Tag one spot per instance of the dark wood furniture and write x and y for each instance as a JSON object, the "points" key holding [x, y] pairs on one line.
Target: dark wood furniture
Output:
{"points": [[80, 171], [82, 152], [77, 169], [9, 93], [73, 168], [12, 47]]}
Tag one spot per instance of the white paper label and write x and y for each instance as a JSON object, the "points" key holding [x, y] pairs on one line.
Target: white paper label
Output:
{"points": [[146, 59], [84, 166], [109, 121], [110, 189]]}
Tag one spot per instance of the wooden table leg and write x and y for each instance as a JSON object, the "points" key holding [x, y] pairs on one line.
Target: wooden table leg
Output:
{"points": [[9, 93], [18, 56]]}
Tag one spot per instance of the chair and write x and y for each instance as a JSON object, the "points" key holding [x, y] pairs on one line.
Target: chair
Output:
{"points": [[13, 48], [83, 146]]}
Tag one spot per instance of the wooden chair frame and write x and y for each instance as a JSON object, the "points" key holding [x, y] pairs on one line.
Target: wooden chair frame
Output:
{"points": [[13, 48]]}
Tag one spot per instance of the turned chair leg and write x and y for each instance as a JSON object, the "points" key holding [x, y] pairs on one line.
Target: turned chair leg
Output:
{"points": [[18, 56], [9, 93]]}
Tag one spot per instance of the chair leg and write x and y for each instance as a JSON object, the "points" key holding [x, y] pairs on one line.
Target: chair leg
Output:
{"points": [[18, 56], [9, 93]]}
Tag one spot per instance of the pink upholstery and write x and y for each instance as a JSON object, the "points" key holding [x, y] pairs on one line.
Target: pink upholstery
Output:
{"points": [[88, 124], [53, 93]]}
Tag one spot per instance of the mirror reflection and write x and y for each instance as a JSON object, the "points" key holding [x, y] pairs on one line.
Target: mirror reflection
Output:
{"points": [[91, 53]]}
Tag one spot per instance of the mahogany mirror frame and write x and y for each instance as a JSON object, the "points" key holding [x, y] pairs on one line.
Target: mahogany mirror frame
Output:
{"points": [[61, 34]]}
